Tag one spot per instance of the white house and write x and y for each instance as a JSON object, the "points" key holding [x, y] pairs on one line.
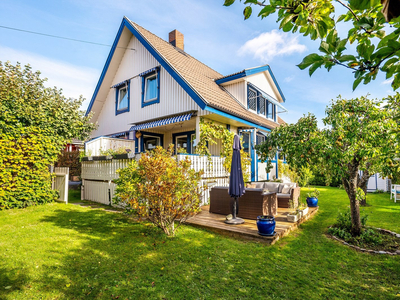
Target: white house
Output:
{"points": [[152, 92]]}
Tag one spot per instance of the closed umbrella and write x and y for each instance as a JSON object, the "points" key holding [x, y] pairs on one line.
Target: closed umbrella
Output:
{"points": [[236, 183]]}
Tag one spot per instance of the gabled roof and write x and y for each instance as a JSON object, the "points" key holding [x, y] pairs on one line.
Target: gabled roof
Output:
{"points": [[196, 78], [249, 72]]}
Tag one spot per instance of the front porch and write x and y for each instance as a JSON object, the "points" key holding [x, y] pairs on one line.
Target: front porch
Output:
{"points": [[247, 230]]}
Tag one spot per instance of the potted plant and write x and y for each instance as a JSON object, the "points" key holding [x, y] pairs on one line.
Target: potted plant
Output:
{"points": [[266, 225], [312, 198], [303, 208], [294, 215]]}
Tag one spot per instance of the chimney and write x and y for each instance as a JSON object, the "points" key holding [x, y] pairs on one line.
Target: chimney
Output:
{"points": [[176, 39]]}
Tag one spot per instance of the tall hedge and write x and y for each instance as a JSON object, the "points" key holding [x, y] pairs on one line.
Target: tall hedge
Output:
{"points": [[35, 124]]}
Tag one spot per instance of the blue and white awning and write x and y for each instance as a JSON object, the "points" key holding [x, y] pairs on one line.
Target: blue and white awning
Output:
{"points": [[149, 71], [125, 82], [268, 97], [162, 122], [119, 134]]}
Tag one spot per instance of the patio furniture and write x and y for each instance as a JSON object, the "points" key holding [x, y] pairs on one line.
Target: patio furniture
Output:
{"points": [[252, 204], [394, 191], [286, 192]]}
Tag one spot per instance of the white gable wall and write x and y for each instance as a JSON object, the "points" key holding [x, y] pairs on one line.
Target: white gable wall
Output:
{"points": [[265, 83], [238, 90], [173, 99]]}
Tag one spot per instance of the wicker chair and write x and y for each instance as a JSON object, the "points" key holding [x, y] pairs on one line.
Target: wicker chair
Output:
{"points": [[252, 204]]}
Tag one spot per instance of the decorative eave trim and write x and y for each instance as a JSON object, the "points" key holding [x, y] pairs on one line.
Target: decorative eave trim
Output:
{"points": [[252, 71], [236, 118]]}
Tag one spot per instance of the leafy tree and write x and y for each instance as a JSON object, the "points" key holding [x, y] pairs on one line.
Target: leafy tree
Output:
{"points": [[377, 45], [35, 124], [160, 188], [360, 136]]}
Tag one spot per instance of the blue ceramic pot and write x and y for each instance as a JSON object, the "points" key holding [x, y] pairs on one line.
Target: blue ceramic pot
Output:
{"points": [[312, 202], [266, 225]]}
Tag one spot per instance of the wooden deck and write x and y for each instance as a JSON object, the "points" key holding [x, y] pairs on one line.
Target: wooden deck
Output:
{"points": [[247, 230]]}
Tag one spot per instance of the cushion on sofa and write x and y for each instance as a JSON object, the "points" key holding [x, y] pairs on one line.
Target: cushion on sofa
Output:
{"points": [[289, 185], [272, 187], [254, 190], [283, 196], [250, 186], [258, 185]]}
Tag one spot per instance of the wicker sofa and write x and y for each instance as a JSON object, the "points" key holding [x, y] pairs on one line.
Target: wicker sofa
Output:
{"points": [[286, 192], [253, 203]]}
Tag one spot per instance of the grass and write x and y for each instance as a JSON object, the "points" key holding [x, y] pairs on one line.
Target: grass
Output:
{"points": [[62, 251]]}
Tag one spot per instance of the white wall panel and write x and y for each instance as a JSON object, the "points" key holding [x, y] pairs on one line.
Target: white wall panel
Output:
{"points": [[173, 99], [265, 83], [239, 91]]}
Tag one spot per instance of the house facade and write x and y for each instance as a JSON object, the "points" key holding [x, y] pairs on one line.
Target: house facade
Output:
{"points": [[153, 93]]}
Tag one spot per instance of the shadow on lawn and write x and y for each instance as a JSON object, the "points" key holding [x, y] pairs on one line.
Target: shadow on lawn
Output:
{"points": [[11, 280], [115, 256]]}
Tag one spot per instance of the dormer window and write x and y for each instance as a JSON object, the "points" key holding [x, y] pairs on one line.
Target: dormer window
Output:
{"points": [[122, 96], [150, 87], [260, 104]]}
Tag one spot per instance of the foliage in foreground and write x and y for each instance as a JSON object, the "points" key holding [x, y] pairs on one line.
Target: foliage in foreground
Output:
{"points": [[360, 136], [35, 124], [376, 45], [160, 188]]}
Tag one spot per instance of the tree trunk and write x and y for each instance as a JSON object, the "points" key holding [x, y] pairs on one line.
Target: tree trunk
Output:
{"points": [[350, 185], [363, 183]]}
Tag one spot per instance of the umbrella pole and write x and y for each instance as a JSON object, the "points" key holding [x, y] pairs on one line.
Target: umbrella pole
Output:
{"points": [[234, 220], [234, 208]]}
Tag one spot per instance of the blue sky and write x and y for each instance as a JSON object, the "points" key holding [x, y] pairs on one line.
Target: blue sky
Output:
{"points": [[216, 35]]}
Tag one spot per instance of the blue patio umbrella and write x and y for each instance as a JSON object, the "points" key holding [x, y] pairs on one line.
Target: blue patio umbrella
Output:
{"points": [[236, 183]]}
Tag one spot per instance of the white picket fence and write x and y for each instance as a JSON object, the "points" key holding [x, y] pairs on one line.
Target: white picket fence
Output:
{"points": [[60, 183], [97, 176]]}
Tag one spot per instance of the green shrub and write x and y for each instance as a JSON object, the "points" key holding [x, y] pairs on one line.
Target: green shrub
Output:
{"points": [[71, 160], [35, 124], [160, 188]]}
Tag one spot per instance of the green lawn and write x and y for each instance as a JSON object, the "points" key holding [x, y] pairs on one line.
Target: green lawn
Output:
{"points": [[62, 251]]}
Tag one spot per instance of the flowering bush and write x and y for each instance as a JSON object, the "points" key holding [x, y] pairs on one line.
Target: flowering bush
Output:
{"points": [[160, 188]]}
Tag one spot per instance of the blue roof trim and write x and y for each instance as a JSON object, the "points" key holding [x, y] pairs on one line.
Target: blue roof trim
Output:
{"points": [[224, 114], [162, 122], [232, 77], [157, 56], [248, 72]]}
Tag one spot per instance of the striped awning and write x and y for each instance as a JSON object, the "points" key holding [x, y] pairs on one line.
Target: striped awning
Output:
{"points": [[149, 71], [119, 134], [269, 98], [162, 122], [125, 82]]}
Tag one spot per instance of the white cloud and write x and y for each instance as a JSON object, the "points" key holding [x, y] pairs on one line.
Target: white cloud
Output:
{"points": [[74, 80], [387, 81], [270, 44], [288, 79]]}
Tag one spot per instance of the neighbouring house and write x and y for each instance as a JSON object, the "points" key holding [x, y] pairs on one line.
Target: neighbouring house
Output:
{"points": [[74, 145], [154, 93]]}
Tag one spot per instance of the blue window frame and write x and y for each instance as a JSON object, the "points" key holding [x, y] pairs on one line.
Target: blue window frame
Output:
{"points": [[148, 141], [151, 87], [122, 97], [258, 103], [184, 142]]}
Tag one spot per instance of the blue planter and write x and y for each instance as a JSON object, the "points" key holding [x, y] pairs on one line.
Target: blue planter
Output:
{"points": [[266, 225], [312, 202]]}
